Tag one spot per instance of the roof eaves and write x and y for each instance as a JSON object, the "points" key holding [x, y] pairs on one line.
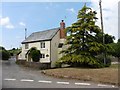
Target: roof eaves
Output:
{"points": [[35, 41]]}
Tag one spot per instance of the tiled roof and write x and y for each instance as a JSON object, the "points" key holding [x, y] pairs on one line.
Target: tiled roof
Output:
{"points": [[41, 35]]}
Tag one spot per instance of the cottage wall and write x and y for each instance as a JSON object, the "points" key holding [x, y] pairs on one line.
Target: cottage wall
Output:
{"points": [[45, 50], [54, 48]]}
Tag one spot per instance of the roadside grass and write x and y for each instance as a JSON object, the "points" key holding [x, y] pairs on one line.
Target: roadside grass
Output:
{"points": [[107, 75], [114, 66]]}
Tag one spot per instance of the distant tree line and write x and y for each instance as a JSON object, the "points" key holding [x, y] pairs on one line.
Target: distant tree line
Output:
{"points": [[116, 49], [14, 51]]}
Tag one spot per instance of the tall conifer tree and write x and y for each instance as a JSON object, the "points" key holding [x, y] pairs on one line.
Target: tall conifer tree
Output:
{"points": [[82, 38]]}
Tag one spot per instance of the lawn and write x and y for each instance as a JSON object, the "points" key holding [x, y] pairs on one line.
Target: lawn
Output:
{"points": [[103, 75]]}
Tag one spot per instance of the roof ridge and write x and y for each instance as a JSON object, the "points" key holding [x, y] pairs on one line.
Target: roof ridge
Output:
{"points": [[47, 30]]}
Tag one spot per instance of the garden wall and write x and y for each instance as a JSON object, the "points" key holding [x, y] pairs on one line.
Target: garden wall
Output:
{"points": [[35, 65]]}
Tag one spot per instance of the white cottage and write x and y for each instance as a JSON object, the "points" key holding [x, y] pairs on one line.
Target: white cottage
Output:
{"points": [[49, 42]]}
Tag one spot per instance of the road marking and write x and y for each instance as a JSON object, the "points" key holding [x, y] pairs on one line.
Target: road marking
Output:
{"points": [[102, 85], [62, 82], [9, 79], [113, 86], [26, 80], [44, 81], [82, 84]]}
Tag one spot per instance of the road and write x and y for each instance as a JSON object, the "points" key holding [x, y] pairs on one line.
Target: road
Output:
{"points": [[14, 76]]}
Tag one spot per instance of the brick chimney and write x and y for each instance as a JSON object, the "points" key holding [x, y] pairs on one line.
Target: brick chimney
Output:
{"points": [[62, 29]]}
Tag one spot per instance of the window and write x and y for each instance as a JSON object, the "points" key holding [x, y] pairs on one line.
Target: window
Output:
{"points": [[42, 55], [26, 46], [60, 45], [42, 44]]}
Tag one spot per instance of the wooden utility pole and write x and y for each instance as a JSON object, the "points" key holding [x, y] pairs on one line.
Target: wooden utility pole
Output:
{"points": [[101, 17], [25, 33], [104, 53]]}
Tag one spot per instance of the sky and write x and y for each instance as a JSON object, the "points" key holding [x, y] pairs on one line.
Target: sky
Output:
{"points": [[39, 16]]}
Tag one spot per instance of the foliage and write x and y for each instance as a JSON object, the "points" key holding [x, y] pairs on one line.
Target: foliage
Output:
{"points": [[100, 58], [116, 49], [2, 48], [118, 40], [35, 54], [4, 54], [108, 38], [84, 41], [14, 51]]}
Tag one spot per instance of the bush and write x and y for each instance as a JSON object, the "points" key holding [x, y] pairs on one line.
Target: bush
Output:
{"points": [[58, 64], [100, 59], [84, 61], [4, 54], [79, 61], [35, 55]]}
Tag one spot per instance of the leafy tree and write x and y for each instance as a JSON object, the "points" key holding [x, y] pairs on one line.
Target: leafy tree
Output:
{"points": [[2, 48], [35, 54], [108, 38], [4, 54], [118, 40], [116, 49], [13, 49], [84, 41]]}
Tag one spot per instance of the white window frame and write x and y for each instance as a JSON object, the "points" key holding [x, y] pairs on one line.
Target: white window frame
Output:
{"points": [[42, 55], [42, 44], [26, 46]]}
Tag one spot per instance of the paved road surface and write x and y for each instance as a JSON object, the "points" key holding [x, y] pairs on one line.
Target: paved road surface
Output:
{"points": [[14, 76]]}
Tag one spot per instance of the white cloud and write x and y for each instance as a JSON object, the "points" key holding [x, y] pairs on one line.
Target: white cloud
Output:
{"points": [[5, 22], [22, 24], [10, 26], [110, 15], [71, 10]]}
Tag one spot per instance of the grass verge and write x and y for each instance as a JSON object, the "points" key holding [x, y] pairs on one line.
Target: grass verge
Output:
{"points": [[103, 75]]}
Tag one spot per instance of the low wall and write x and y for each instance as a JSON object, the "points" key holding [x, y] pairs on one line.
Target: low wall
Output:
{"points": [[35, 65]]}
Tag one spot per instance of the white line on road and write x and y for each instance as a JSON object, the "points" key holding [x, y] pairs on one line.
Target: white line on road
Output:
{"points": [[9, 79], [82, 84], [62, 82], [102, 85], [26, 80], [113, 86], [44, 81]]}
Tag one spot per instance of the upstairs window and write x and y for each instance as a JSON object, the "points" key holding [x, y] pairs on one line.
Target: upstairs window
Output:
{"points": [[26, 46], [42, 44], [60, 45]]}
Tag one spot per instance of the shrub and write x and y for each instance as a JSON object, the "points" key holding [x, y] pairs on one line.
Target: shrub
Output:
{"points": [[4, 54], [58, 64], [84, 61], [79, 61], [35, 55], [100, 59]]}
